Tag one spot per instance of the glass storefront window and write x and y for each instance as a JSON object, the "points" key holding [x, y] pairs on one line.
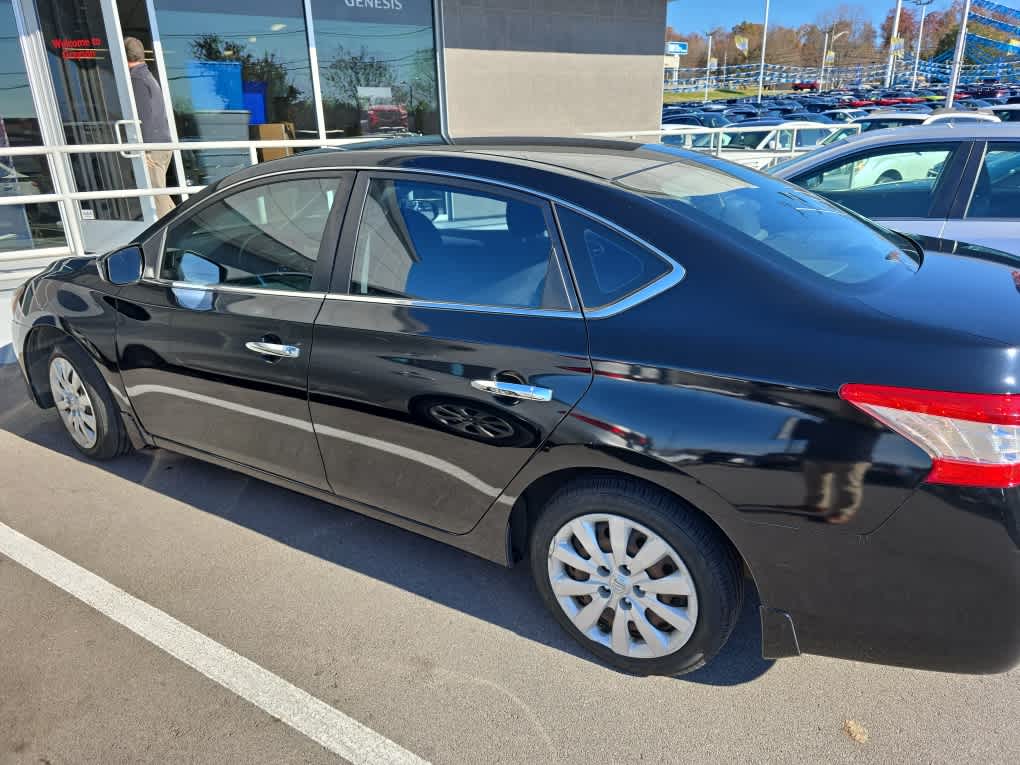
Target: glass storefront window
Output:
{"points": [[238, 70], [22, 226], [377, 66]]}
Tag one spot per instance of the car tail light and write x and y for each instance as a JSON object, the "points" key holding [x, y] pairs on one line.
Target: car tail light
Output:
{"points": [[973, 439]]}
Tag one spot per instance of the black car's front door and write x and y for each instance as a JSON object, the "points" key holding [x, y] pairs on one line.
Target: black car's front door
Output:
{"points": [[214, 347], [448, 350]]}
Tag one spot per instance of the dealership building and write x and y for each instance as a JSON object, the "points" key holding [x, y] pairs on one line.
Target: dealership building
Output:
{"points": [[238, 73]]}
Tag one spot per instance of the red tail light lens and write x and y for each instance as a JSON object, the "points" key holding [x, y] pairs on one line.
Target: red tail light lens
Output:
{"points": [[973, 439]]}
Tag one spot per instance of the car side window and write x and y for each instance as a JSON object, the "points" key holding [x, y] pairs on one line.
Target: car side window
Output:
{"points": [[448, 243], [264, 237], [607, 265], [997, 190], [891, 182]]}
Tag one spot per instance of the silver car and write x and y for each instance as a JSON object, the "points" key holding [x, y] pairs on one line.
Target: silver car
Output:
{"points": [[954, 181]]}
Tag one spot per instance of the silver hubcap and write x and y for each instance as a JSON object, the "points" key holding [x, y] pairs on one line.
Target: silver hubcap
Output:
{"points": [[73, 402], [474, 422], [622, 585]]}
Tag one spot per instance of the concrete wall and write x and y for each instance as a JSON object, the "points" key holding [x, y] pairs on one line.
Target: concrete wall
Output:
{"points": [[553, 67]]}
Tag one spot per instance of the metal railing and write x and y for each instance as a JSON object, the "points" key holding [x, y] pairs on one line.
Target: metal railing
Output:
{"points": [[23, 263]]}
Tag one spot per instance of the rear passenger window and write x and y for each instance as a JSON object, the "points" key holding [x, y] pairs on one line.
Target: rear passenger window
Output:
{"points": [[431, 241], [607, 265], [997, 191]]}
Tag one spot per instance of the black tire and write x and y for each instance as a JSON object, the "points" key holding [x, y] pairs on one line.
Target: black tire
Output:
{"points": [[713, 565], [111, 436], [889, 176]]}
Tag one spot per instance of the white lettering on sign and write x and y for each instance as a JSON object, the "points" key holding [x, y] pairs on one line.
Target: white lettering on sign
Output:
{"points": [[380, 5]]}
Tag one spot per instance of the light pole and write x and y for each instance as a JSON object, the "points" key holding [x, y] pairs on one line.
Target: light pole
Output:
{"points": [[961, 45], [708, 66], [825, 52], [920, 39], [892, 44], [764, 36]]}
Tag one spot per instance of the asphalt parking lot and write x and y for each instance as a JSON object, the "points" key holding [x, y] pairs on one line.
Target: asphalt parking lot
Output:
{"points": [[441, 655]]}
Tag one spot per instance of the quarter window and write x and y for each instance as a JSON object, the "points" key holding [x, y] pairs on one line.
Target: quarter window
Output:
{"points": [[997, 191], [266, 237], [443, 243], [607, 265], [894, 182]]}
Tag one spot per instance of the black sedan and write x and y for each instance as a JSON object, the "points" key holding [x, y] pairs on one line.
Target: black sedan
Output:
{"points": [[653, 375]]}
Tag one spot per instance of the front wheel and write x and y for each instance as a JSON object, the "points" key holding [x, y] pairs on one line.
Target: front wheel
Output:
{"points": [[643, 582], [85, 405]]}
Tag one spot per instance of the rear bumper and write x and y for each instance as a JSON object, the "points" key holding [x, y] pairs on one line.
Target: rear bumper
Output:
{"points": [[935, 587]]}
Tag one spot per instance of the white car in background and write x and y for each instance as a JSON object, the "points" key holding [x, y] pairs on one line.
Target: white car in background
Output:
{"points": [[959, 182], [902, 118], [758, 145]]}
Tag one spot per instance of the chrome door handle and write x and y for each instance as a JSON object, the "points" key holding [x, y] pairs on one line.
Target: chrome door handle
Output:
{"points": [[274, 349], [513, 390]]}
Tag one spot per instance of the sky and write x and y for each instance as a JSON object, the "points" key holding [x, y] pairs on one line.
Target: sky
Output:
{"points": [[701, 15]]}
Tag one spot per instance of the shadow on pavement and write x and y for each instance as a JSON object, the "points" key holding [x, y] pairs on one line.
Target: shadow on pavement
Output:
{"points": [[370, 547]]}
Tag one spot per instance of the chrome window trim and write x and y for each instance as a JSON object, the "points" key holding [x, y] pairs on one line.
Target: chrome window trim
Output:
{"points": [[445, 306], [228, 288], [662, 284]]}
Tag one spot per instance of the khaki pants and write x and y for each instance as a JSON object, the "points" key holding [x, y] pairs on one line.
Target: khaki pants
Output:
{"points": [[834, 487], [156, 162]]}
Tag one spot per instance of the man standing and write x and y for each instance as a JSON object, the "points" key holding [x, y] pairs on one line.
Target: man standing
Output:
{"points": [[152, 114]]}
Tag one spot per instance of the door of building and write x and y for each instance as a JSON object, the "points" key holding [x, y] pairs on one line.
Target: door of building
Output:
{"points": [[93, 104]]}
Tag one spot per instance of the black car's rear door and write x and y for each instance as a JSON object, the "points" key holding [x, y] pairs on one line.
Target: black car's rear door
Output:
{"points": [[214, 343], [449, 348]]}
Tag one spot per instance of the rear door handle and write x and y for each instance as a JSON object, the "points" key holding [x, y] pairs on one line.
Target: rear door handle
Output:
{"points": [[273, 349], [513, 390]]}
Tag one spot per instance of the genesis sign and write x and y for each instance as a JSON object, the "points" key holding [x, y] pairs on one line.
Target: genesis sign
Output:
{"points": [[416, 13]]}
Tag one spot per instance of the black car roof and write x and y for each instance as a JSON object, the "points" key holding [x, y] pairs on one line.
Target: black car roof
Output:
{"points": [[598, 159]]}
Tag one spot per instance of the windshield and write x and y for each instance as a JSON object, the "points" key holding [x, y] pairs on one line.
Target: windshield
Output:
{"points": [[750, 139], [778, 219]]}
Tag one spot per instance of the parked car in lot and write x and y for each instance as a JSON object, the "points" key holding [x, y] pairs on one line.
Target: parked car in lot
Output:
{"points": [[698, 119], [646, 372], [754, 143], [955, 181], [844, 115], [903, 118], [1007, 112]]}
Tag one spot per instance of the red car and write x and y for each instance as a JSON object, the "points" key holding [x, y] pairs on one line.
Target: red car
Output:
{"points": [[805, 85], [386, 117]]}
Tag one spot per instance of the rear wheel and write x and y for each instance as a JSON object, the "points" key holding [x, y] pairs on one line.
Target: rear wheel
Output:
{"points": [[889, 176], [85, 405], [645, 583]]}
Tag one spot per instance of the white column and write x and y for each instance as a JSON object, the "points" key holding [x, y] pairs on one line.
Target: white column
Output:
{"points": [[961, 45], [892, 53], [920, 39], [313, 62], [708, 65], [764, 37], [821, 71]]}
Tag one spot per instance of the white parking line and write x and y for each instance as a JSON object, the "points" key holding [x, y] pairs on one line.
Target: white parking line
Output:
{"points": [[303, 712]]}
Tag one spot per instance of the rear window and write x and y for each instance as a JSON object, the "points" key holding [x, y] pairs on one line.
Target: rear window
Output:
{"points": [[779, 220]]}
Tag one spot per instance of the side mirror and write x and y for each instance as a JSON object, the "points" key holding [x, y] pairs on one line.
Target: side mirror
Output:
{"points": [[122, 267]]}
